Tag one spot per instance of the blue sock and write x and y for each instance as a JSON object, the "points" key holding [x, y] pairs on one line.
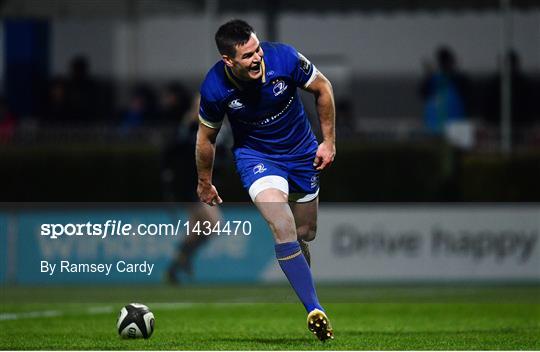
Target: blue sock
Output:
{"points": [[294, 265]]}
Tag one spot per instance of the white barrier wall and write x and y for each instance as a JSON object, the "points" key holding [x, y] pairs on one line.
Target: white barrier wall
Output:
{"points": [[169, 47], [382, 44], [408, 243], [379, 44], [91, 38]]}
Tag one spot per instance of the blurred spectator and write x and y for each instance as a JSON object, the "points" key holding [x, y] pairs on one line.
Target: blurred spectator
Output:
{"points": [[175, 102], [7, 122], [522, 113], [444, 91], [179, 172], [179, 179], [140, 110], [81, 91], [57, 109]]}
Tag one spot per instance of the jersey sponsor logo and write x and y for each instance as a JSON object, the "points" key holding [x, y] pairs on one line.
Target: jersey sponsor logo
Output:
{"points": [[279, 87], [270, 119], [259, 169], [304, 63], [236, 104], [314, 181]]}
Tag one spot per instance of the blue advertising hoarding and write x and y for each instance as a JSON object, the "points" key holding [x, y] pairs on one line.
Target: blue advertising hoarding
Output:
{"points": [[238, 253]]}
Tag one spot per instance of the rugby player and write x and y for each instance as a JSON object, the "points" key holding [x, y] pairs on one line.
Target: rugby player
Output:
{"points": [[276, 153]]}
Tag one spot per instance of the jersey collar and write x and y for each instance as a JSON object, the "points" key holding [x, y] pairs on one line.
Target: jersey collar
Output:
{"points": [[238, 83]]}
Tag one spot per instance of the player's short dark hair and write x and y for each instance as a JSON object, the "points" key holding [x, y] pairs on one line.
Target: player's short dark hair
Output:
{"points": [[232, 34]]}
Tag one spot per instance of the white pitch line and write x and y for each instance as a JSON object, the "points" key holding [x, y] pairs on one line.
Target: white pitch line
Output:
{"points": [[90, 310], [29, 315], [52, 313], [100, 310]]}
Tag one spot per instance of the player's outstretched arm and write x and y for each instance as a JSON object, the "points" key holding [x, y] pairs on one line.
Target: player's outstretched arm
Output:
{"points": [[204, 155], [321, 88]]}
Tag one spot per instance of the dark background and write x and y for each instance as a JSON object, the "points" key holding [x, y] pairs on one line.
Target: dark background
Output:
{"points": [[84, 117]]}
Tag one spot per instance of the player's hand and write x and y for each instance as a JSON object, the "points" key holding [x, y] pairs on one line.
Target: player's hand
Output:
{"points": [[208, 193], [325, 155]]}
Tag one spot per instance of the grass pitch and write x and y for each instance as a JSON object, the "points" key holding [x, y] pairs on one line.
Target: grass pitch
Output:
{"points": [[269, 318]]}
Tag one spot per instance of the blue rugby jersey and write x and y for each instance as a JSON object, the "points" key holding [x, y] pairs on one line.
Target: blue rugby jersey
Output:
{"points": [[267, 115]]}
